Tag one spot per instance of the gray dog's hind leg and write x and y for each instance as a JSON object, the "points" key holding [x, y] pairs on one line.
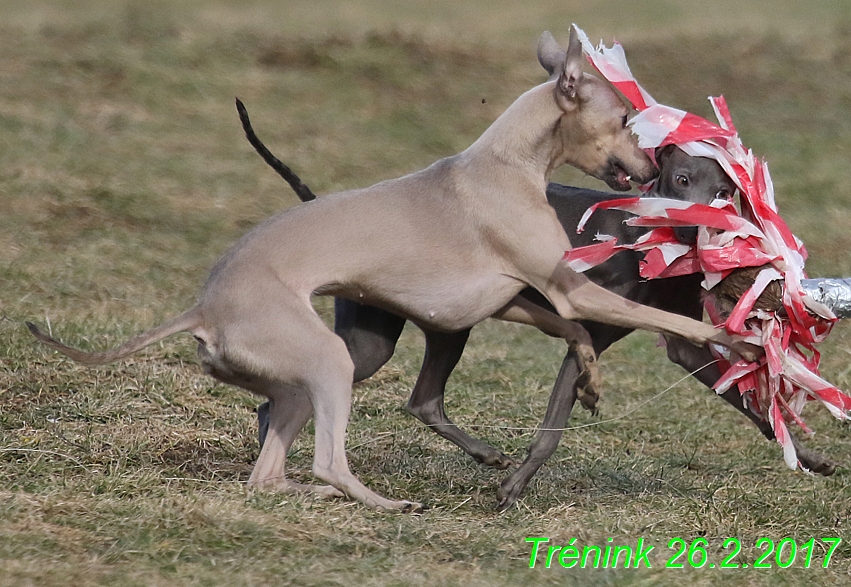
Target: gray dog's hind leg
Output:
{"points": [[263, 421], [370, 335], [443, 350], [691, 358]]}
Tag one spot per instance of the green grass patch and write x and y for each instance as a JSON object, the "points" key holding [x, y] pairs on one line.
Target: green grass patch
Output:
{"points": [[124, 175]]}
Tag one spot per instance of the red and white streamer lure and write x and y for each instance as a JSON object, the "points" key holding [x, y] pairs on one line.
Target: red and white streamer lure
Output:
{"points": [[778, 385]]}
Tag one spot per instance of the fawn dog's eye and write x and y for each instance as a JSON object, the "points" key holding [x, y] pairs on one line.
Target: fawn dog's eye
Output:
{"points": [[624, 120]]}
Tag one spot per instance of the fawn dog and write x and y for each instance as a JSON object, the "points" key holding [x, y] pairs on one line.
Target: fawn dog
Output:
{"points": [[445, 247]]}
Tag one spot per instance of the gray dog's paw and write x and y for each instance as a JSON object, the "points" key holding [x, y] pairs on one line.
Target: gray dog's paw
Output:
{"points": [[815, 463], [496, 460]]}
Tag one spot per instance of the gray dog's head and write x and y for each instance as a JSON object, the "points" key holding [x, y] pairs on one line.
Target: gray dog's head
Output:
{"points": [[692, 179]]}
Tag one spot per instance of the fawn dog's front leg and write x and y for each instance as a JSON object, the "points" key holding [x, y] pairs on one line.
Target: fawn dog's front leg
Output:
{"points": [[575, 297], [579, 342]]}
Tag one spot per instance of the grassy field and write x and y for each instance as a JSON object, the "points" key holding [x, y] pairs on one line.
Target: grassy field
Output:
{"points": [[124, 175]]}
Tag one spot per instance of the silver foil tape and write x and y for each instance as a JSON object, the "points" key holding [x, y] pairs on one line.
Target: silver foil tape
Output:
{"points": [[833, 293]]}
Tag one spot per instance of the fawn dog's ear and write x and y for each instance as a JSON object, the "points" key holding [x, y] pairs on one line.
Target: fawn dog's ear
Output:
{"points": [[571, 74], [551, 55], [567, 65]]}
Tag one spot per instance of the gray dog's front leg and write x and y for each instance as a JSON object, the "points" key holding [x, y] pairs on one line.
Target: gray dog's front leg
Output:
{"points": [[692, 358], [546, 441]]}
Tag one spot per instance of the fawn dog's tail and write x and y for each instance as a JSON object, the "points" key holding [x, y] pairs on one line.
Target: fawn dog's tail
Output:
{"points": [[185, 322]]}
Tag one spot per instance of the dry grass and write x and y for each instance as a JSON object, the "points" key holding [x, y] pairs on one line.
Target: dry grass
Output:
{"points": [[124, 175]]}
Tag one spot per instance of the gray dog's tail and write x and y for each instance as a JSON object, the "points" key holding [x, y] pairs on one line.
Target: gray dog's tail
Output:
{"points": [[303, 192], [184, 322]]}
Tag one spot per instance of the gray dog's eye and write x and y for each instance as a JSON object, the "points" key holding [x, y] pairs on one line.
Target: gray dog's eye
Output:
{"points": [[723, 194], [681, 180]]}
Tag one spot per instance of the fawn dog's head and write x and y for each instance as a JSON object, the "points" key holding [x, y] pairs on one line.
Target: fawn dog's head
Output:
{"points": [[594, 136]]}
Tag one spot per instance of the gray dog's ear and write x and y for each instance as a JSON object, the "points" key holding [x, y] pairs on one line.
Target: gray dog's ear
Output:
{"points": [[663, 153], [551, 55]]}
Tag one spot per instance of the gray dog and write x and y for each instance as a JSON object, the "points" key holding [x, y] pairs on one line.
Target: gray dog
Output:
{"points": [[371, 333]]}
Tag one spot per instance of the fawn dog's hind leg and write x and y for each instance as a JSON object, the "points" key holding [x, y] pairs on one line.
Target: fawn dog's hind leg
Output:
{"points": [[289, 411]]}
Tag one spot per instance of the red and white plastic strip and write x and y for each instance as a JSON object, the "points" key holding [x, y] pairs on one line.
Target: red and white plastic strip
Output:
{"points": [[787, 377]]}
